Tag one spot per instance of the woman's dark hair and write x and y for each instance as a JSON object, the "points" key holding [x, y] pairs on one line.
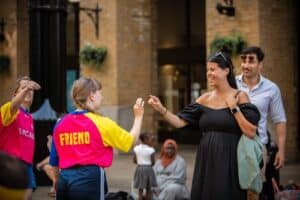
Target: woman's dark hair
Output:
{"points": [[144, 137], [224, 61]]}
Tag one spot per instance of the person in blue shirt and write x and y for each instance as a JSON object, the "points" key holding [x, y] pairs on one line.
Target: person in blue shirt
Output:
{"points": [[266, 95]]}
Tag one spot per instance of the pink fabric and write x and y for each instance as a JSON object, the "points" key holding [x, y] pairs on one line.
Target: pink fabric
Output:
{"points": [[75, 151], [17, 139]]}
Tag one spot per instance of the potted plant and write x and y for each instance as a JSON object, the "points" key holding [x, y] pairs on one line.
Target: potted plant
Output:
{"points": [[4, 63], [232, 44], [93, 56]]}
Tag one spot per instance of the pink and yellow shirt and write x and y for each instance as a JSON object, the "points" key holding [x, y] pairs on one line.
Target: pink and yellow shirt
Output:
{"points": [[17, 133], [85, 138]]}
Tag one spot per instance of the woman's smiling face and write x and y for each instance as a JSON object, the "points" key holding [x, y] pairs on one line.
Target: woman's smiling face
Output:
{"points": [[215, 75]]}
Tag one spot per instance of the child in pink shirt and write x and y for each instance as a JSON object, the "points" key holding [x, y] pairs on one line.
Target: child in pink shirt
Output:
{"points": [[16, 126], [83, 143]]}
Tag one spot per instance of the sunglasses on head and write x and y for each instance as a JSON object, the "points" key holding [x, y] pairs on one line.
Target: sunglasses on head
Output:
{"points": [[224, 58], [250, 58]]}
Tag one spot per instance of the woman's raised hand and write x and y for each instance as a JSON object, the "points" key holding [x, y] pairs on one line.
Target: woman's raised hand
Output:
{"points": [[156, 104], [138, 107]]}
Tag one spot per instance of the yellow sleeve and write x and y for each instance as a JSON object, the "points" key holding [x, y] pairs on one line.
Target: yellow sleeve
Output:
{"points": [[6, 115], [112, 134]]}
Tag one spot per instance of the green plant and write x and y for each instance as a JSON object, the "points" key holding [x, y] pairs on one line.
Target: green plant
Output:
{"points": [[232, 44], [93, 55], [4, 63]]}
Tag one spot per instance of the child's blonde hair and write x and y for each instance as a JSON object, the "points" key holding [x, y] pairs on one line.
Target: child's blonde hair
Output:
{"points": [[82, 88]]}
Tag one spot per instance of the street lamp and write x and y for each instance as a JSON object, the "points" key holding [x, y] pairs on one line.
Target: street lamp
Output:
{"points": [[92, 13]]}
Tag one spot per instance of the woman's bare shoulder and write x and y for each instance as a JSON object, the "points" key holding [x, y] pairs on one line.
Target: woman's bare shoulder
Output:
{"points": [[203, 98]]}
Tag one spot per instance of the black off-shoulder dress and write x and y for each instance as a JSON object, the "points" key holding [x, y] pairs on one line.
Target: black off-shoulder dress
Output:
{"points": [[216, 173]]}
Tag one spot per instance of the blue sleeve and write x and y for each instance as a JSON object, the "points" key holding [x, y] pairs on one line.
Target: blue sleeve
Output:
{"points": [[277, 112], [53, 155]]}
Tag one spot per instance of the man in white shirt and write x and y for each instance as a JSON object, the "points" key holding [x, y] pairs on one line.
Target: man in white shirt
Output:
{"points": [[266, 96]]}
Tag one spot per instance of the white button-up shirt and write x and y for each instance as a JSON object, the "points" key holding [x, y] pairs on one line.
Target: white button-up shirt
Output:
{"points": [[267, 98]]}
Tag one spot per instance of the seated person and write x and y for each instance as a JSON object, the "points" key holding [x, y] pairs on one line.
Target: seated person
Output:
{"points": [[170, 172], [13, 178]]}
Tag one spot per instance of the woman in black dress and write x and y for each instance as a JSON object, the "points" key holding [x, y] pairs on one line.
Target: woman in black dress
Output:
{"points": [[222, 115]]}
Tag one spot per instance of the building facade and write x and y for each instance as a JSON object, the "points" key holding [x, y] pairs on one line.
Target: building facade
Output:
{"points": [[153, 47]]}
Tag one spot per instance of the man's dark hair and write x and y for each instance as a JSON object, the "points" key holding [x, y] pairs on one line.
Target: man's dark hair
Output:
{"points": [[254, 50]]}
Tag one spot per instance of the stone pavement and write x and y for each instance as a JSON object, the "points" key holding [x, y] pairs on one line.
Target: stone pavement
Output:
{"points": [[120, 174]]}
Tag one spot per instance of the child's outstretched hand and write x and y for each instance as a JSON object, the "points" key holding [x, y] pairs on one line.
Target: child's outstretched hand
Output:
{"points": [[138, 107]]}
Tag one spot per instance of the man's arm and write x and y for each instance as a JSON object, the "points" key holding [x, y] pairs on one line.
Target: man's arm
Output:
{"points": [[281, 138], [277, 114]]}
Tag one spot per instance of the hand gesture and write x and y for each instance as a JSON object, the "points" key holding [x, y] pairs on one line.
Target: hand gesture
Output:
{"points": [[279, 160], [232, 101], [138, 108], [156, 104], [33, 85], [29, 85]]}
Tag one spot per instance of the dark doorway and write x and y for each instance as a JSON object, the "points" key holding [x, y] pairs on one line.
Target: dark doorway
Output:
{"points": [[181, 60], [54, 63], [298, 66], [47, 53], [72, 40]]}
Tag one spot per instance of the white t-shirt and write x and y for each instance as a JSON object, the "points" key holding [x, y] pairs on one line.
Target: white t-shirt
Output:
{"points": [[143, 154]]}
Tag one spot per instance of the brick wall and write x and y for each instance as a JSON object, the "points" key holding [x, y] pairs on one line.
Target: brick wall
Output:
{"points": [[17, 26], [125, 29], [8, 12], [278, 36], [107, 75], [244, 22], [135, 63]]}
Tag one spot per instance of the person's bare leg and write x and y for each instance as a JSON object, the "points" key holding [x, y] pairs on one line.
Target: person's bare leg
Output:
{"points": [[148, 194], [141, 196], [48, 170], [41, 164]]}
